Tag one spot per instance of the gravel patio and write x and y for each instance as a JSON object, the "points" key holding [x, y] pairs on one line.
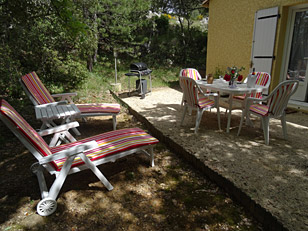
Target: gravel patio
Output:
{"points": [[270, 181]]}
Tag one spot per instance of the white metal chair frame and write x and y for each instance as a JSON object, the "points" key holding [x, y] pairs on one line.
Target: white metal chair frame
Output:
{"points": [[277, 102], [191, 93]]}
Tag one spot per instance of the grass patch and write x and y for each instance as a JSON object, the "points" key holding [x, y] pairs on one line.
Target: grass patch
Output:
{"points": [[99, 81]]}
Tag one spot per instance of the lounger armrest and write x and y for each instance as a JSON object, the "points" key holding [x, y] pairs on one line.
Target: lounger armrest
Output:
{"points": [[60, 128], [65, 96], [69, 152]]}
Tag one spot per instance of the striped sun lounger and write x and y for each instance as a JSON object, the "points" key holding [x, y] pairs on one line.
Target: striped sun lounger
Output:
{"points": [[76, 156], [39, 95]]}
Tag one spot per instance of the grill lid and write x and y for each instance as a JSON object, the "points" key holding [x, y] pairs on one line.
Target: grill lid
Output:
{"points": [[138, 67]]}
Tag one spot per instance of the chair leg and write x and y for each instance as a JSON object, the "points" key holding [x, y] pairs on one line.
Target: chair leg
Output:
{"points": [[265, 123], [198, 119], [57, 184], [241, 123], [114, 122], [248, 121], [55, 140], [183, 115], [37, 169], [96, 171], [182, 103], [218, 118], [284, 126], [151, 156]]}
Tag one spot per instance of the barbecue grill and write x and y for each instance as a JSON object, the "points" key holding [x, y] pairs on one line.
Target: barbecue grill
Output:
{"points": [[139, 70]]}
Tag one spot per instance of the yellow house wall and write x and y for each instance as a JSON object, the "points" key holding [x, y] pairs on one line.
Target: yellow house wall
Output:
{"points": [[231, 24]]}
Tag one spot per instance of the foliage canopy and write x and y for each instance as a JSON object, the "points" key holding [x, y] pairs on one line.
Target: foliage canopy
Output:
{"points": [[63, 39]]}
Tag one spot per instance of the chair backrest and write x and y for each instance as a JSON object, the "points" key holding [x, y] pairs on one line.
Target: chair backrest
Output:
{"points": [[279, 97], [190, 91], [191, 73], [35, 89], [263, 79], [26, 134]]}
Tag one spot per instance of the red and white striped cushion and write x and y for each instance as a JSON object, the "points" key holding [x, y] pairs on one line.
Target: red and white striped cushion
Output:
{"points": [[37, 88], [109, 143], [259, 109], [99, 108], [191, 73], [27, 131], [206, 102]]}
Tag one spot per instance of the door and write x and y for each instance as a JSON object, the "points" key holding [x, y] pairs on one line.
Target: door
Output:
{"points": [[264, 39], [297, 51]]}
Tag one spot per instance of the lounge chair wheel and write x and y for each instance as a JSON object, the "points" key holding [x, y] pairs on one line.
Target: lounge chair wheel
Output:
{"points": [[46, 207], [34, 167]]}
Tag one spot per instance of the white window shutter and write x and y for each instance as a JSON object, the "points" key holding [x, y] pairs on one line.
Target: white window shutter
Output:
{"points": [[264, 39]]}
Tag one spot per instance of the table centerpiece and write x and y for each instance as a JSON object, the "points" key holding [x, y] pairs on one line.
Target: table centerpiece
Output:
{"points": [[232, 75]]}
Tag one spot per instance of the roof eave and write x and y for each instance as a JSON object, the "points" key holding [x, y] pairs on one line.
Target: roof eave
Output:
{"points": [[206, 3]]}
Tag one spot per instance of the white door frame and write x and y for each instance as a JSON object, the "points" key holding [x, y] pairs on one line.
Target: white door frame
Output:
{"points": [[288, 39]]}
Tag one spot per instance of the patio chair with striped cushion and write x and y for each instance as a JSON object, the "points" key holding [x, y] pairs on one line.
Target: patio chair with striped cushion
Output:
{"points": [[195, 99], [76, 156], [262, 79], [272, 106], [190, 73], [39, 95]]}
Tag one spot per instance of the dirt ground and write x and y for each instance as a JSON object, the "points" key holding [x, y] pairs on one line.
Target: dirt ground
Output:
{"points": [[274, 176], [169, 196]]}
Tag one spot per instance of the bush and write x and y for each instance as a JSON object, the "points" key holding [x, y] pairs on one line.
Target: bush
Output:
{"points": [[65, 76], [9, 73]]}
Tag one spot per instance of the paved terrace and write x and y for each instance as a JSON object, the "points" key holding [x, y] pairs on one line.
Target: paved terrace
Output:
{"points": [[269, 181]]}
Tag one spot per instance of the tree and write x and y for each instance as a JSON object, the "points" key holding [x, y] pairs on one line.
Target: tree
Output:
{"points": [[121, 23], [43, 36], [111, 24], [184, 10]]}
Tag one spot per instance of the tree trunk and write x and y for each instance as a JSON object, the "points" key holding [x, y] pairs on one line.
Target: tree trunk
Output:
{"points": [[90, 63], [183, 38]]}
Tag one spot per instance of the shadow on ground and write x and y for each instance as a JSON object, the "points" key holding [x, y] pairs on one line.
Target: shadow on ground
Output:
{"points": [[274, 176], [169, 196]]}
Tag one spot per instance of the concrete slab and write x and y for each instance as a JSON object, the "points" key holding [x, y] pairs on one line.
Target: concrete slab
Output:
{"points": [[270, 181]]}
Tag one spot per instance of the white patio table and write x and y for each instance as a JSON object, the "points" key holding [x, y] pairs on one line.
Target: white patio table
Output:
{"points": [[221, 86], [67, 113]]}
